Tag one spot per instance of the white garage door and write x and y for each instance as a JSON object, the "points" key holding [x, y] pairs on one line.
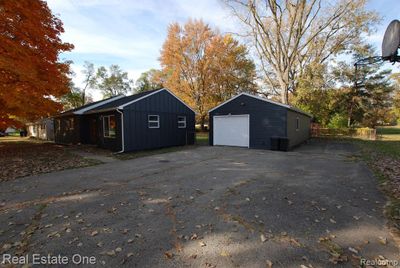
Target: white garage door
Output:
{"points": [[231, 130]]}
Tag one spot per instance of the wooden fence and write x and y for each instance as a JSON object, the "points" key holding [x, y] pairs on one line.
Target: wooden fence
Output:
{"points": [[364, 133]]}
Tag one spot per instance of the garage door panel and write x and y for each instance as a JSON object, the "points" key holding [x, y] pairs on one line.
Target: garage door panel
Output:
{"points": [[231, 130]]}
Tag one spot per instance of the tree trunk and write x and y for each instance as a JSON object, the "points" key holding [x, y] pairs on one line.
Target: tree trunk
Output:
{"points": [[349, 116], [83, 96], [284, 92], [202, 122]]}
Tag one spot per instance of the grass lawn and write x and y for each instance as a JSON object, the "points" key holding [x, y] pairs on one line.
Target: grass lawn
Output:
{"points": [[383, 157], [20, 157]]}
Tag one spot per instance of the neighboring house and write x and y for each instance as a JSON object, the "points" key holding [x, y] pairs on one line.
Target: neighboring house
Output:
{"points": [[10, 130], [255, 122], [147, 120], [42, 129]]}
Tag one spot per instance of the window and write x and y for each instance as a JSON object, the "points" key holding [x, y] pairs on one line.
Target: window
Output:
{"points": [[181, 121], [153, 121], [109, 126], [297, 124], [71, 124]]}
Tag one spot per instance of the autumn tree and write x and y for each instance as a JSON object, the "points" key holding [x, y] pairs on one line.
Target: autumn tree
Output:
{"points": [[204, 67], [149, 80], [290, 34], [31, 74]]}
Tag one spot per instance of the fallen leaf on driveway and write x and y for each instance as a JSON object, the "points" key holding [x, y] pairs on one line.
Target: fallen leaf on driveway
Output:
{"points": [[263, 238], [193, 237], [355, 251], [111, 253], [202, 244], [168, 255], [225, 253], [383, 240], [7, 246], [94, 233], [332, 220]]}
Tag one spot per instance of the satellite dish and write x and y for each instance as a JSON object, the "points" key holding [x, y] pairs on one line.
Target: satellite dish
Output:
{"points": [[391, 41]]}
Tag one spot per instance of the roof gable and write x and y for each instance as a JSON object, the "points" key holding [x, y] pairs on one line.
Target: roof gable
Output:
{"points": [[128, 100], [121, 107], [262, 99], [118, 102]]}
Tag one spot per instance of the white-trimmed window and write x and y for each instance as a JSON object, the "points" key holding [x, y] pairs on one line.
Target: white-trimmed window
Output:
{"points": [[109, 126], [297, 124], [181, 121], [71, 124], [153, 121]]}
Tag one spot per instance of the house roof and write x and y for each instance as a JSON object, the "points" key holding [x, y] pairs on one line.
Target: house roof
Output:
{"points": [[89, 106], [128, 100], [289, 107], [117, 103]]}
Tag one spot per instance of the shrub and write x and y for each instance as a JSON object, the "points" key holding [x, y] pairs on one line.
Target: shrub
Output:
{"points": [[338, 121]]}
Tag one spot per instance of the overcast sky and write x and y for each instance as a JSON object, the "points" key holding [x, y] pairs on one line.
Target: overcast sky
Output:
{"points": [[131, 33]]}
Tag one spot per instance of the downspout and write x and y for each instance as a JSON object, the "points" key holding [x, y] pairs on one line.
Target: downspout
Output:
{"points": [[122, 132]]}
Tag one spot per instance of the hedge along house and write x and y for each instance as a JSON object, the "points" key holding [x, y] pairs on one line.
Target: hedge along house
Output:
{"points": [[255, 122], [147, 120]]}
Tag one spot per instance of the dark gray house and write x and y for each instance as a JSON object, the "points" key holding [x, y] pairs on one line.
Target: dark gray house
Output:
{"points": [[147, 120], [255, 122]]}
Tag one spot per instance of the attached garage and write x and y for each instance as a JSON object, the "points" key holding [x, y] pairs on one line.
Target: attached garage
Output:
{"points": [[254, 122]]}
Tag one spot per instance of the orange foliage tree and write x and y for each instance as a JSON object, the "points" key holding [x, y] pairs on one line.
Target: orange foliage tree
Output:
{"points": [[204, 67], [31, 75]]}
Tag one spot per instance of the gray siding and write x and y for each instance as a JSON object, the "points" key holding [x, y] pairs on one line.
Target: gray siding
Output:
{"points": [[138, 136], [297, 136], [266, 119]]}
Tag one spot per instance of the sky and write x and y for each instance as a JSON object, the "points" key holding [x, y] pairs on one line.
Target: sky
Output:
{"points": [[130, 33]]}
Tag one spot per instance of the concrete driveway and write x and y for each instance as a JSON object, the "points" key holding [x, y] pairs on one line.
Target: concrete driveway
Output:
{"points": [[205, 207]]}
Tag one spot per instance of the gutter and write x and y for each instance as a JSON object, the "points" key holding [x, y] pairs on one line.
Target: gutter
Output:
{"points": [[122, 132]]}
